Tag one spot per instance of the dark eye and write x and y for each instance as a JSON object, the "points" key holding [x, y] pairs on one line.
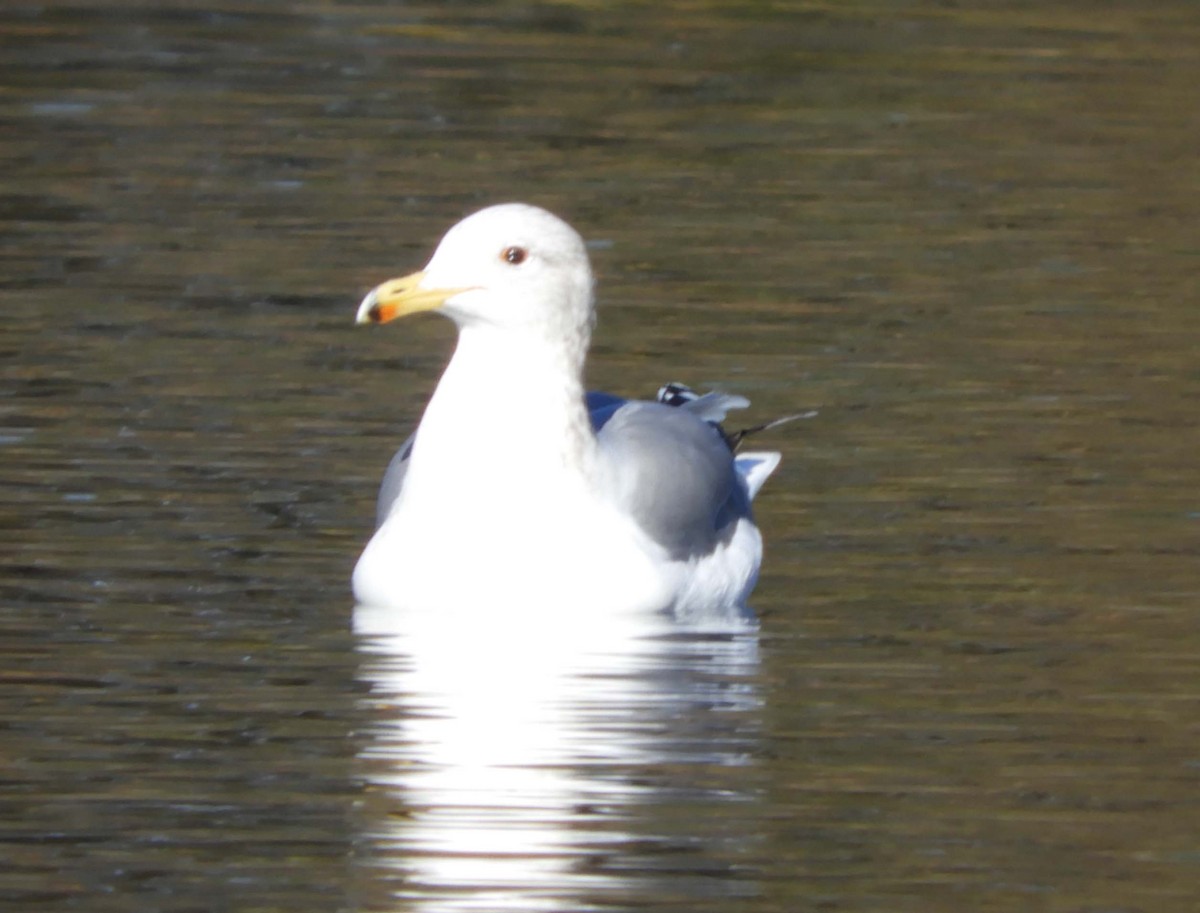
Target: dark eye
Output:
{"points": [[514, 255]]}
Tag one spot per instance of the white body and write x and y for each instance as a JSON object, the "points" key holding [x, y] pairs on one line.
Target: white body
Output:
{"points": [[509, 500]]}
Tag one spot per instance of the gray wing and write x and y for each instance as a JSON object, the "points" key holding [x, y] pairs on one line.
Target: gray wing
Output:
{"points": [[673, 472], [601, 407], [668, 466], [393, 481]]}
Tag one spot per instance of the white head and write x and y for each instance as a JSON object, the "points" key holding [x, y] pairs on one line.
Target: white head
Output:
{"points": [[513, 267]]}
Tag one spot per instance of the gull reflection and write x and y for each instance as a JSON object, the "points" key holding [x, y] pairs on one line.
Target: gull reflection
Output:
{"points": [[556, 765]]}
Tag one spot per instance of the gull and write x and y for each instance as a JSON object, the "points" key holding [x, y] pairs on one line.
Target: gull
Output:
{"points": [[521, 493]]}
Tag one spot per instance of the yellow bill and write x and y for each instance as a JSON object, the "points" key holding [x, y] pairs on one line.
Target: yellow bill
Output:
{"points": [[401, 297]]}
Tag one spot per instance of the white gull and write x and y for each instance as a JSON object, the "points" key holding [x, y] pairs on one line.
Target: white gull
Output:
{"points": [[518, 490]]}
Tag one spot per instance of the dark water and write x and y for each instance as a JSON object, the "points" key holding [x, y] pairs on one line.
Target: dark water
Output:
{"points": [[966, 234]]}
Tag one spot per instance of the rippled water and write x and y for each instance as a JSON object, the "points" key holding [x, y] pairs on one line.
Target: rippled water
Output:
{"points": [[964, 234], [563, 769]]}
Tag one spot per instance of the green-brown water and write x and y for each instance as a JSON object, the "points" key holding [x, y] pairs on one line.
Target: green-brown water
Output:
{"points": [[967, 234]]}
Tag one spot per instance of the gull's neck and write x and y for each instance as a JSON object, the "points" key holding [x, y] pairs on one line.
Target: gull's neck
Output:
{"points": [[508, 412]]}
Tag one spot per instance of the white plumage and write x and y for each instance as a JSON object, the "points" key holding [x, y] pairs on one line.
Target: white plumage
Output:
{"points": [[513, 494]]}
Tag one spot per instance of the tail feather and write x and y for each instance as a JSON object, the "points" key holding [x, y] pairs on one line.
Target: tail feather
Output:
{"points": [[755, 467], [713, 406]]}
